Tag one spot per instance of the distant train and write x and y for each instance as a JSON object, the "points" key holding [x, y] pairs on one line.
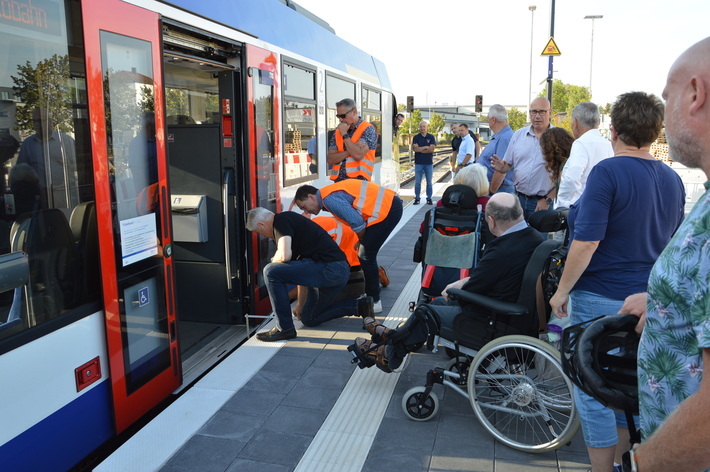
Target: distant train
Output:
{"points": [[135, 135]]}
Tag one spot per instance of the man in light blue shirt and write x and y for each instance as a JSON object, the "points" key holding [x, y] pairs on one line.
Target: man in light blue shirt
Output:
{"points": [[498, 123]]}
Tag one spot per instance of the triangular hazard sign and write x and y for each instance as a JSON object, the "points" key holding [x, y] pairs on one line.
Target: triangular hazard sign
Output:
{"points": [[551, 49]]}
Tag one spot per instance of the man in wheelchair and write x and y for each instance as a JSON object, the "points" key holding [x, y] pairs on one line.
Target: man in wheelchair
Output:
{"points": [[498, 276]]}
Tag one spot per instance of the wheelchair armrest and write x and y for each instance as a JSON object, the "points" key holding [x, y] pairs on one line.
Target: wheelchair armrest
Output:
{"points": [[487, 303]]}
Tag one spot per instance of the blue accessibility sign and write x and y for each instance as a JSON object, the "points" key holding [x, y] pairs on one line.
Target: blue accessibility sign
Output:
{"points": [[143, 297]]}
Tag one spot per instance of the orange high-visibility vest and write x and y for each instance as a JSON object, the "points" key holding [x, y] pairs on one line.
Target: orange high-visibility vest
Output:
{"points": [[344, 237], [372, 201], [354, 168]]}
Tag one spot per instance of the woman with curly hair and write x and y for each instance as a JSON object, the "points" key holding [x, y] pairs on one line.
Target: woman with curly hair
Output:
{"points": [[556, 144]]}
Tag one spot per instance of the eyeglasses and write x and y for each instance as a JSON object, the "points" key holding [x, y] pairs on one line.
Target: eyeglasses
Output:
{"points": [[342, 117], [538, 112]]}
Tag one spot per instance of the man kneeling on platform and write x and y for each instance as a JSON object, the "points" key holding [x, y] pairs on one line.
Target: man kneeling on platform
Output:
{"points": [[499, 275], [305, 255]]}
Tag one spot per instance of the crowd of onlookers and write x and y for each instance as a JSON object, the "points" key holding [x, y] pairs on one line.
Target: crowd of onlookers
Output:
{"points": [[631, 249]]}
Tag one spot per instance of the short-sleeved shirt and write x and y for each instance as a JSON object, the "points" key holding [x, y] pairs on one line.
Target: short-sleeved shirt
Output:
{"points": [[312, 147], [369, 136], [632, 206], [467, 147], [426, 158], [670, 366], [525, 155], [498, 146], [308, 240], [456, 141]]}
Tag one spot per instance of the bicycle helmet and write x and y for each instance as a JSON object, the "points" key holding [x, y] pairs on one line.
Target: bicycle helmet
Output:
{"points": [[601, 360], [548, 221]]}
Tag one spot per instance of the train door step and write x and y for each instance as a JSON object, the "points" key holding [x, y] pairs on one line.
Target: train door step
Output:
{"points": [[215, 343]]}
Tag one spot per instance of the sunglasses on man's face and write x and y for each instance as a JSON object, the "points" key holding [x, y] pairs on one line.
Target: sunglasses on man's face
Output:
{"points": [[342, 117]]}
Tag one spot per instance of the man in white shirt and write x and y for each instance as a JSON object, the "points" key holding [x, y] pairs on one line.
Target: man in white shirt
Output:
{"points": [[466, 149], [589, 148]]}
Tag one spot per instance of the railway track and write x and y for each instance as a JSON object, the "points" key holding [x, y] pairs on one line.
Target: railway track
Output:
{"points": [[441, 169]]}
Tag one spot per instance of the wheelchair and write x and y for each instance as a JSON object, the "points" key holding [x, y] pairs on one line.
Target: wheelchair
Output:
{"points": [[459, 227], [513, 380]]}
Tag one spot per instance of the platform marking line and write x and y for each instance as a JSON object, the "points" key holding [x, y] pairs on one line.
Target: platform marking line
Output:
{"points": [[345, 438]]}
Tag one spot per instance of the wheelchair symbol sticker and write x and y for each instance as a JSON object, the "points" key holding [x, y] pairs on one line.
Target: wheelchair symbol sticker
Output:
{"points": [[143, 298]]}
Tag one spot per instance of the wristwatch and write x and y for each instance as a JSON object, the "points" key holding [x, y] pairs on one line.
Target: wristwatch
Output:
{"points": [[628, 461], [549, 201]]}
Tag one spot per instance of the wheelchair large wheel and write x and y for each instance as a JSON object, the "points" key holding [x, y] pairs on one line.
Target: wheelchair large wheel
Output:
{"points": [[520, 394], [417, 407]]}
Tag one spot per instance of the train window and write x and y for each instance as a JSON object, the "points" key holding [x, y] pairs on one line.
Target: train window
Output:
{"points": [[299, 82], [191, 94], [336, 89], [300, 142], [371, 112], [371, 100], [46, 183]]}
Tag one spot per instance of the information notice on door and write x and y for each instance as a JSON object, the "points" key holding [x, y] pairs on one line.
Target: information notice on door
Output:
{"points": [[139, 239]]}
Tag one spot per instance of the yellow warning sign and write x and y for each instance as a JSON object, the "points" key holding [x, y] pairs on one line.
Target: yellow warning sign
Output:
{"points": [[551, 49]]}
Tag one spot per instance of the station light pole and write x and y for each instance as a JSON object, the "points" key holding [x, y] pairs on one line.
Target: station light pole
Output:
{"points": [[549, 61], [532, 9], [591, 54]]}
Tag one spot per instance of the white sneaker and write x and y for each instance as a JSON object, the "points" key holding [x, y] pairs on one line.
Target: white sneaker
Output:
{"points": [[377, 307]]}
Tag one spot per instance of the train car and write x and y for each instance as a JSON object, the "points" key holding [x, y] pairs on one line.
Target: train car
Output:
{"points": [[134, 136]]}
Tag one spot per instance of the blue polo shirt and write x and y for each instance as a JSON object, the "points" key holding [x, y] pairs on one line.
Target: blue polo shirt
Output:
{"points": [[423, 141], [498, 146], [632, 206]]}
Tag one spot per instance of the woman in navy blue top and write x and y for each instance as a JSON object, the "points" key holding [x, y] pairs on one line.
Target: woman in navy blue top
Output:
{"points": [[628, 212]]}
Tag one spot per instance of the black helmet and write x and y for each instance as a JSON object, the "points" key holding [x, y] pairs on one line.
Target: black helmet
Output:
{"points": [[601, 360], [548, 221]]}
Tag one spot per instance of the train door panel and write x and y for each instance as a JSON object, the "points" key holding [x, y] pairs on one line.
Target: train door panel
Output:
{"points": [[263, 118], [124, 85]]}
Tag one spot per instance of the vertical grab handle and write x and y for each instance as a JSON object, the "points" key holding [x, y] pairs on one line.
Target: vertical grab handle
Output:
{"points": [[226, 187]]}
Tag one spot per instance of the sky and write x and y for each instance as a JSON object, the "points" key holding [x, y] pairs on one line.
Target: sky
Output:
{"points": [[446, 53]]}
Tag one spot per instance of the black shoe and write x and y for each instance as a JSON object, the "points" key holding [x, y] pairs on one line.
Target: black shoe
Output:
{"points": [[429, 202], [416, 201], [275, 334], [365, 307]]}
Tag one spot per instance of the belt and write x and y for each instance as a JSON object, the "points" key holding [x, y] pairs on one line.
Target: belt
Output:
{"points": [[530, 197]]}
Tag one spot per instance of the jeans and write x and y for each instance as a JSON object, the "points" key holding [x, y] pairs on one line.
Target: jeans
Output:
{"points": [[320, 308], [598, 422], [529, 205], [370, 244], [328, 277], [428, 171]]}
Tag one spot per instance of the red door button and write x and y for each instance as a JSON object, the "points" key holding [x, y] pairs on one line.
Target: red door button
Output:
{"points": [[87, 374]]}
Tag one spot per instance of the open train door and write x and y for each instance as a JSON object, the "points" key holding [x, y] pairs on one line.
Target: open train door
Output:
{"points": [[264, 166], [125, 96]]}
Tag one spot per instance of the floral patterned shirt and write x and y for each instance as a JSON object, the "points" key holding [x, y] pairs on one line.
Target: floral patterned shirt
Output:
{"points": [[677, 320]]}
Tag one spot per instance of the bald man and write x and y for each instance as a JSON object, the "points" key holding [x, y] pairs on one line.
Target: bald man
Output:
{"points": [[499, 274], [674, 393], [533, 183], [423, 145]]}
